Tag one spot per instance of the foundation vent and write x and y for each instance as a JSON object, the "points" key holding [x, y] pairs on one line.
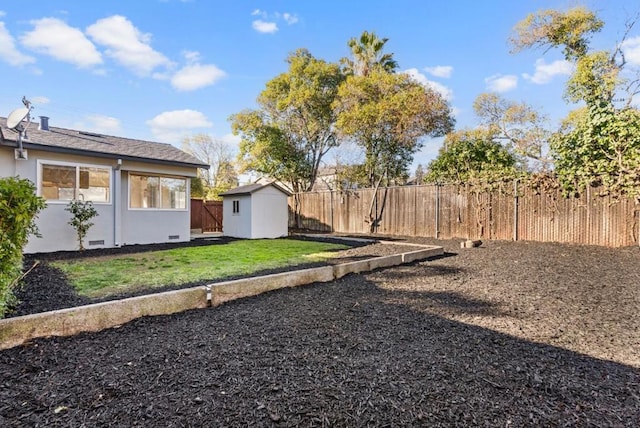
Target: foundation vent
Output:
{"points": [[174, 236], [100, 242]]}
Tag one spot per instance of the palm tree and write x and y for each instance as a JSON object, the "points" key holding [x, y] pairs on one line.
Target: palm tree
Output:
{"points": [[367, 54]]}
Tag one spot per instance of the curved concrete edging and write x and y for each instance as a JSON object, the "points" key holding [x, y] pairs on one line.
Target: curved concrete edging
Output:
{"points": [[100, 316]]}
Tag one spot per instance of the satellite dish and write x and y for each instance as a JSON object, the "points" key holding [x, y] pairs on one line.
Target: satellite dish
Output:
{"points": [[16, 117], [14, 122]]}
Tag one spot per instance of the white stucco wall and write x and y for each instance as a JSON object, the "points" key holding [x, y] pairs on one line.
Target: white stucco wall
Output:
{"points": [[7, 164], [58, 235], [52, 222], [237, 225], [270, 218], [116, 224]]}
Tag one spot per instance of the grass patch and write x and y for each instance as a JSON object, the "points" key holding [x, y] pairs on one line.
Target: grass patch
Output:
{"points": [[104, 276]]}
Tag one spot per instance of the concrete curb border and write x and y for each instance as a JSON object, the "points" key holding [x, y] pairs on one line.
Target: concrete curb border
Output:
{"points": [[99, 316]]}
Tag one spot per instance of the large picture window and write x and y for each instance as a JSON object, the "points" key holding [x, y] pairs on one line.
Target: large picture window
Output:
{"points": [[152, 191], [63, 182]]}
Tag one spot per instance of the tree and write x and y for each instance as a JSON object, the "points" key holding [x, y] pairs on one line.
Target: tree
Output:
{"points": [[197, 187], [221, 175], [226, 178], [367, 55], [600, 144], [351, 177], [594, 80], [551, 28], [81, 214], [19, 207], [388, 115], [419, 174], [600, 147], [518, 125], [472, 156], [293, 129]]}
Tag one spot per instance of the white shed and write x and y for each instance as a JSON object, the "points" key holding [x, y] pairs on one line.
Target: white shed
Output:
{"points": [[255, 211]]}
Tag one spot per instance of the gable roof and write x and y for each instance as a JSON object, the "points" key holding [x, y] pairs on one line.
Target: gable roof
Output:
{"points": [[91, 144], [252, 188]]}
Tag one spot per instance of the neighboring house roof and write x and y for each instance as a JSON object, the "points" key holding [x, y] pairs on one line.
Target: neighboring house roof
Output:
{"points": [[252, 188], [63, 140], [280, 184]]}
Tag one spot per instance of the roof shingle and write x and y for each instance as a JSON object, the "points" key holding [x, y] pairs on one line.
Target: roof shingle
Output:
{"points": [[251, 188], [87, 143]]}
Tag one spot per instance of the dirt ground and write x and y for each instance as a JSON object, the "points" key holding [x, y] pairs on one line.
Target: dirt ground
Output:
{"points": [[507, 334]]}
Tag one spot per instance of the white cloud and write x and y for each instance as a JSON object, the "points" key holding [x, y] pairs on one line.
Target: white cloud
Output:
{"points": [[2, 13], [500, 83], [39, 100], [127, 45], [631, 50], [546, 72], [103, 124], [443, 71], [173, 126], [196, 76], [192, 57], [55, 38], [268, 22], [8, 51], [264, 27], [446, 93], [289, 18]]}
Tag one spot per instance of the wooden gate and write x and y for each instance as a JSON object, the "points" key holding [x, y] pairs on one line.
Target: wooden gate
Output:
{"points": [[206, 215]]}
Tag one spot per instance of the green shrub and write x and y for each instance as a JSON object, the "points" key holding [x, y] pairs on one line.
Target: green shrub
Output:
{"points": [[81, 212], [19, 207]]}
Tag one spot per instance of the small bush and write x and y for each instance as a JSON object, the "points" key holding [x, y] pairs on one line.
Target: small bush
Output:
{"points": [[19, 207], [81, 212]]}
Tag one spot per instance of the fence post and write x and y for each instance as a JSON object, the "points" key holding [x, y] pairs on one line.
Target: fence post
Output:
{"points": [[331, 204], [376, 221], [515, 209], [437, 211], [415, 210]]}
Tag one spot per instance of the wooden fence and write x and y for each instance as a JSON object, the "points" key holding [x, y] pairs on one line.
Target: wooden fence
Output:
{"points": [[206, 215], [449, 211]]}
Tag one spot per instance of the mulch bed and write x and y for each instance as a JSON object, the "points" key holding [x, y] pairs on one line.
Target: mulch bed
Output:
{"points": [[508, 334]]}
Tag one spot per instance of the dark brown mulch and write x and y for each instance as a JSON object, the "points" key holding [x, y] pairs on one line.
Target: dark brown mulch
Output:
{"points": [[508, 334]]}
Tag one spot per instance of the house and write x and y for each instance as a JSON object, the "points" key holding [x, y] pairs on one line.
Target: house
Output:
{"points": [[140, 189], [256, 211]]}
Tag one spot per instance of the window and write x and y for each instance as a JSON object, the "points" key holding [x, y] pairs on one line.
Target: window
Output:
{"points": [[151, 191], [63, 182], [236, 207]]}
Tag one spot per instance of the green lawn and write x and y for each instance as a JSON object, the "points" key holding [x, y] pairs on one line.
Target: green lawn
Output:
{"points": [[103, 276]]}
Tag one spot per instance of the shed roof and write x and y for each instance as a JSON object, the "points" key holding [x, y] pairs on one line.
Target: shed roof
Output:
{"points": [[92, 144], [252, 188]]}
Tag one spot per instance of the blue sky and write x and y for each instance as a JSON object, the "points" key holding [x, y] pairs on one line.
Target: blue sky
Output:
{"points": [[163, 69]]}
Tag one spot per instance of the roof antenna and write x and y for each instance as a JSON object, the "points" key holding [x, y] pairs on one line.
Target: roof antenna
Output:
{"points": [[15, 123]]}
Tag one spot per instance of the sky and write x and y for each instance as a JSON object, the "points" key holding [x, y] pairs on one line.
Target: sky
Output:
{"points": [[163, 70]]}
